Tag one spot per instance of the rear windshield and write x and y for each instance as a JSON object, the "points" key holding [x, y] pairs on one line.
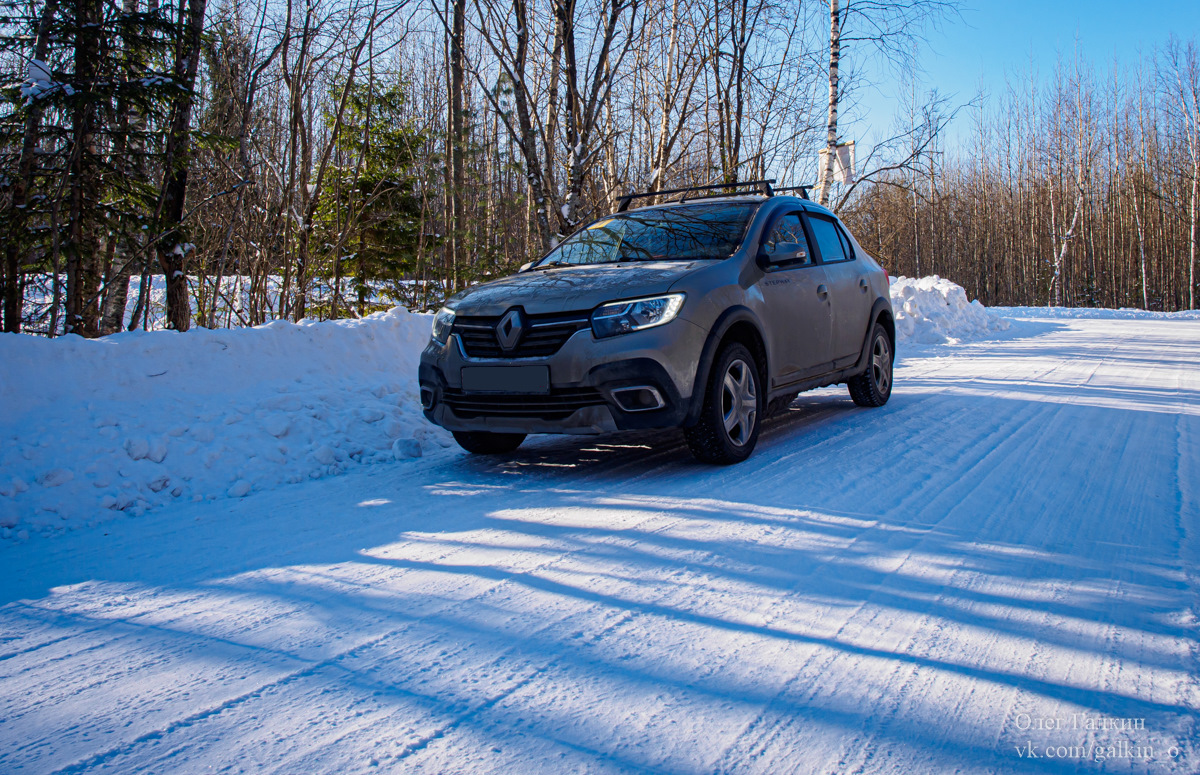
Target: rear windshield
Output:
{"points": [[687, 233]]}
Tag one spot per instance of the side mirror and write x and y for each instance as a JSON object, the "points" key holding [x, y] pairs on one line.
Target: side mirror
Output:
{"points": [[783, 253], [525, 267]]}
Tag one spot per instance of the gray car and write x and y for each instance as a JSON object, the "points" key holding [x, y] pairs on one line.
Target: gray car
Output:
{"points": [[704, 314]]}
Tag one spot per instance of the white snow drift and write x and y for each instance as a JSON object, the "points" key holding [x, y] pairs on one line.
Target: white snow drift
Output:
{"points": [[932, 310], [139, 420]]}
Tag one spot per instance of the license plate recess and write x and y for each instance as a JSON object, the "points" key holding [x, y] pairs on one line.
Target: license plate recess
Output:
{"points": [[506, 379]]}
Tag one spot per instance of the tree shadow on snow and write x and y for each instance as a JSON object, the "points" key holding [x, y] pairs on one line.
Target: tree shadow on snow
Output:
{"points": [[902, 582]]}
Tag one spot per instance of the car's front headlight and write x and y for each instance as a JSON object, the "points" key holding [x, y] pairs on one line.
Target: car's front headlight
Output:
{"points": [[443, 321], [621, 317]]}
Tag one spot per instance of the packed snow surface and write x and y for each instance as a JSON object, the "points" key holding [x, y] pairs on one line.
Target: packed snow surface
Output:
{"points": [[1000, 564], [139, 420], [131, 422], [1091, 313]]}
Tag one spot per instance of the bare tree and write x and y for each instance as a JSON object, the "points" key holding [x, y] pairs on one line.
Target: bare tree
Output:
{"points": [[172, 249], [891, 29], [1184, 65]]}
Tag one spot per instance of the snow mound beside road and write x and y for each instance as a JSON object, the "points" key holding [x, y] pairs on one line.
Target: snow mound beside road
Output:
{"points": [[90, 428], [932, 310]]}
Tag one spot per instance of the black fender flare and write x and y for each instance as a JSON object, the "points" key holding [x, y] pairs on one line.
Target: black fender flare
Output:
{"points": [[727, 320], [881, 306]]}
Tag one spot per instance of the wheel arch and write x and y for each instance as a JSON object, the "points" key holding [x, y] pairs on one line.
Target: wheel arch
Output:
{"points": [[888, 322], [736, 324], [881, 313]]}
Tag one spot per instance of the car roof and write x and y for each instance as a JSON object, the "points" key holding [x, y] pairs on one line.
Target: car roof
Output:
{"points": [[784, 200], [702, 200]]}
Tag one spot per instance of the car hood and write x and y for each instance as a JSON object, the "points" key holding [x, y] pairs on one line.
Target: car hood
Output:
{"points": [[570, 289]]}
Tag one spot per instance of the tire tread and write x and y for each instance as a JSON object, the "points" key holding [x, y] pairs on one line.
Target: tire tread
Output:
{"points": [[863, 389], [706, 439]]}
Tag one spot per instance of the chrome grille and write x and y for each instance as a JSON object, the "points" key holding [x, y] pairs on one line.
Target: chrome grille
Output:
{"points": [[544, 336]]}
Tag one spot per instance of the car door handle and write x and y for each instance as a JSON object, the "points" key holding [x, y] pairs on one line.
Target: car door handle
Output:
{"points": [[822, 291], [862, 283]]}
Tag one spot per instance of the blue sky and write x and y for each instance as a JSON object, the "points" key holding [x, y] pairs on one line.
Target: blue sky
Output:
{"points": [[994, 39]]}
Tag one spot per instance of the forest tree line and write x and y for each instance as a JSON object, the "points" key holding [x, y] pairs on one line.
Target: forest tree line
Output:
{"points": [[239, 163], [1078, 189]]}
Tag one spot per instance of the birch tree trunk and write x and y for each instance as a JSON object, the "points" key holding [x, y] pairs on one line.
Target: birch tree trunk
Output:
{"points": [[1191, 108], [456, 141], [1187, 80], [1141, 238], [1061, 256], [1141, 182], [514, 62], [585, 98], [1192, 236], [831, 130]]}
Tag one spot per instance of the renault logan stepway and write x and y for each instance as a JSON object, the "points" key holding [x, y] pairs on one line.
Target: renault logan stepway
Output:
{"points": [[703, 314]]}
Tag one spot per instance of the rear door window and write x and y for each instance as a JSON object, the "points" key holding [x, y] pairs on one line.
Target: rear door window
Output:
{"points": [[831, 243]]}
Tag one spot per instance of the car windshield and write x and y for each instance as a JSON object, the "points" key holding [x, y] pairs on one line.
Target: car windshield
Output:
{"points": [[687, 233]]}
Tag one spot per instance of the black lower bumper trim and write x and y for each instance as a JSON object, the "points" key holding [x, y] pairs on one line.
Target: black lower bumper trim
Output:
{"points": [[451, 405], [559, 404]]}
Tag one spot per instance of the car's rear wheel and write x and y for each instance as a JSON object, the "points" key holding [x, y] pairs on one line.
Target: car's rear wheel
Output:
{"points": [[733, 407], [874, 386], [488, 443]]}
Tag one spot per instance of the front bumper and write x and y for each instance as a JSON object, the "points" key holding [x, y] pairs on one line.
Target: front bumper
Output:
{"points": [[584, 373]]}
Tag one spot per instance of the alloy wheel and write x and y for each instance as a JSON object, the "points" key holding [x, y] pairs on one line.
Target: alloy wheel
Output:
{"points": [[881, 364], [739, 402]]}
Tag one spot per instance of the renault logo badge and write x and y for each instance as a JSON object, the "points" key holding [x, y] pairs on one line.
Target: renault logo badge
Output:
{"points": [[510, 328]]}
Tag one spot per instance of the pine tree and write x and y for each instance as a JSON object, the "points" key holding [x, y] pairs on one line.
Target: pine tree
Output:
{"points": [[68, 145], [370, 221]]}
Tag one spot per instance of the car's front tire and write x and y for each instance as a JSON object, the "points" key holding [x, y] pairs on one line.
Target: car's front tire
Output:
{"points": [[734, 402], [874, 386], [488, 443]]}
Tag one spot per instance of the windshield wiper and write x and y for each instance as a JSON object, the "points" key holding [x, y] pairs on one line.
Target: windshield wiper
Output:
{"points": [[554, 265], [628, 258]]}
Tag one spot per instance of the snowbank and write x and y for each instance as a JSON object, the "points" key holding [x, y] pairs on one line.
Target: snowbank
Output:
{"points": [[94, 428], [90, 428], [233, 300], [1094, 313], [931, 310]]}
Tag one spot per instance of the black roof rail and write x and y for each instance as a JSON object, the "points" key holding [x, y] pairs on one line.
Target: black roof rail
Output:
{"points": [[623, 204], [802, 189]]}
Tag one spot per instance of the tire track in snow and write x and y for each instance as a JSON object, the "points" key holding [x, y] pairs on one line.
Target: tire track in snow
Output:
{"points": [[869, 744], [1062, 590], [191, 720], [940, 601], [813, 672], [859, 753], [909, 533], [99, 677], [1187, 445]]}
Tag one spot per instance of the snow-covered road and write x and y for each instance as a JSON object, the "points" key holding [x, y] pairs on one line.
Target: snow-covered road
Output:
{"points": [[994, 573]]}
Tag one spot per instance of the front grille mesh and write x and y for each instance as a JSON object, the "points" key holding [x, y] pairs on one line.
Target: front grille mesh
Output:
{"points": [[543, 337], [558, 404]]}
